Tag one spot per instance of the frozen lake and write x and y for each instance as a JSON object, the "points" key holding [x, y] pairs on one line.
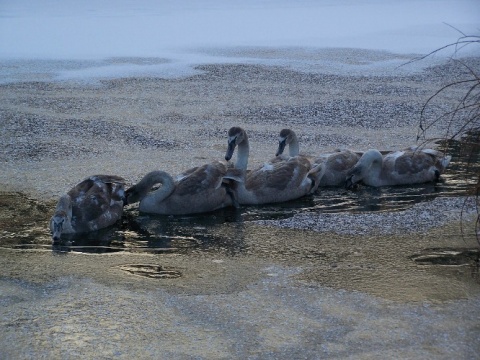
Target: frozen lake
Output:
{"points": [[167, 39]]}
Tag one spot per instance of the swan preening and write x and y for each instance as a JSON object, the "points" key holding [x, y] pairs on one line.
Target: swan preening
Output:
{"points": [[333, 167], [411, 166], [200, 189], [93, 204], [276, 181]]}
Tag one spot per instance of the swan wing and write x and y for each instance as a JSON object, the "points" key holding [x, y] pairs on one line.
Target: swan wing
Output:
{"points": [[280, 175], [203, 178], [411, 163], [186, 173], [342, 161]]}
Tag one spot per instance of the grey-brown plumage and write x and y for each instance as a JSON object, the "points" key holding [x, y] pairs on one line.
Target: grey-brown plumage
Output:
{"points": [[95, 203], [410, 166], [197, 190], [279, 180], [333, 166]]}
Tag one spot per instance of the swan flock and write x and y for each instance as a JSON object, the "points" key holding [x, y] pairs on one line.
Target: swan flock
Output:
{"points": [[98, 201]]}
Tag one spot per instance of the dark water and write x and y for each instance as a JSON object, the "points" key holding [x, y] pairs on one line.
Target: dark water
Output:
{"points": [[24, 222]]}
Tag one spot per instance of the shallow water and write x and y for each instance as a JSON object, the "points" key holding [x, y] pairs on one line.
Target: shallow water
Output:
{"points": [[27, 227]]}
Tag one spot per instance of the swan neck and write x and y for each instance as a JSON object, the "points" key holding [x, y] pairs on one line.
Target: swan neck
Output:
{"points": [[294, 147], [373, 161], [64, 207], [242, 155], [151, 179]]}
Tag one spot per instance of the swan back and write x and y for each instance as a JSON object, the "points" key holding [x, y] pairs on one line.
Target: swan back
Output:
{"points": [[94, 203], [336, 166]]}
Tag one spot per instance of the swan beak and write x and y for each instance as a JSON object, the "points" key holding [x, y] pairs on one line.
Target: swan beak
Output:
{"points": [[56, 225], [281, 146], [131, 196], [230, 150], [56, 230]]}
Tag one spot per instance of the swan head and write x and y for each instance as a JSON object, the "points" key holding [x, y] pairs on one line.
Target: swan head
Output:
{"points": [[354, 176], [370, 163], [285, 138], [236, 135], [56, 225], [148, 186], [132, 195]]}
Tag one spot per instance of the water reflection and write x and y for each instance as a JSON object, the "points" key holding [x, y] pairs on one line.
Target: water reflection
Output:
{"points": [[222, 230]]}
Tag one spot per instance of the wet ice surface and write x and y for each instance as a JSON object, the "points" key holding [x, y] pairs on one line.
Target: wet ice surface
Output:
{"points": [[272, 318]]}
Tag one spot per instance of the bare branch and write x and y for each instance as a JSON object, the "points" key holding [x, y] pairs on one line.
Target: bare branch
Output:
{"points": [[463, 118]]}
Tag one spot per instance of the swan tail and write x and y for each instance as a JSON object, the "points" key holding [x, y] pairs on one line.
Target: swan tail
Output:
{"points": [[315, 175], [445, 161]]}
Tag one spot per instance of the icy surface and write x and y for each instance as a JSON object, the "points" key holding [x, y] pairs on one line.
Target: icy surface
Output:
{"points": [[189, 33]]}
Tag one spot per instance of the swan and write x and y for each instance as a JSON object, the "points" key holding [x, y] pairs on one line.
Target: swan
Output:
{"points": [[333, 166], [197, 190], [410, 166], [276, 181], [93, 204]]}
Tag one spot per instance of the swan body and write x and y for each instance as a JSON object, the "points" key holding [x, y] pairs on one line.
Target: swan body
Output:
{"points": [[410, 166], [197, 190], [93, 204], [276, 181], [333, 167]]}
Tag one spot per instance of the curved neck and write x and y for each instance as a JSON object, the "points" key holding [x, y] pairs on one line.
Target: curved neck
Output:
{"points": [[372, 162], [242, 155], [142, 189]]}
